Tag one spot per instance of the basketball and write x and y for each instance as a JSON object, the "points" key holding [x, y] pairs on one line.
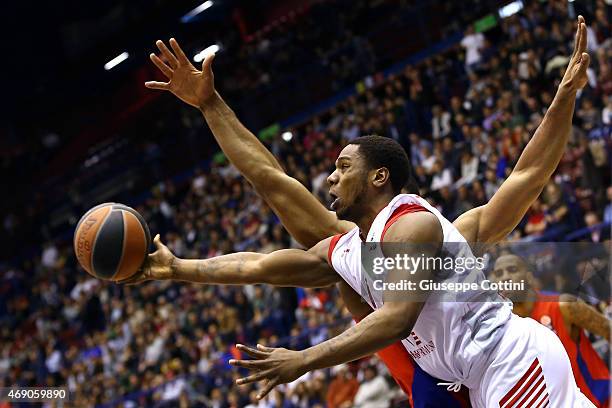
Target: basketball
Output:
{"points": [[111, 241]]}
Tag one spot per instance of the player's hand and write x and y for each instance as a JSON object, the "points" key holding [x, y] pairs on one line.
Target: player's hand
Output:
{"points": [[273, 366], [185, 81], [158, 265], [575, 77]]}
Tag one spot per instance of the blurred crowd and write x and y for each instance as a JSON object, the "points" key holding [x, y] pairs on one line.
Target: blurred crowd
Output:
{"points": [[463, 116]]}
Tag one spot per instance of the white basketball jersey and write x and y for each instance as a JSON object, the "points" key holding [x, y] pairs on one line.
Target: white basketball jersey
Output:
{"points": [[452, 339]]}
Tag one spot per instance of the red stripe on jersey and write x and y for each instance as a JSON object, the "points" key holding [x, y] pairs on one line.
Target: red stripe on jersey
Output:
{"points": [[528, 390], [520, 382], [530, 397], [399, 211], [332, 246], [537, 375], [544, 403]]}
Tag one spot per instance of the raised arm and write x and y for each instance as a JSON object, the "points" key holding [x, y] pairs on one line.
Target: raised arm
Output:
{"points": [[386, 325], [286, 267], [495, 220], [306, 219]]}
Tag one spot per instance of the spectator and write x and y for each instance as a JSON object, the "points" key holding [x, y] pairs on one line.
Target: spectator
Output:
{"points": [[608, 209], [374, 392], [441, 177], [342, 389], [440, 122], [536, 219], [591, 219], [473, 43], [557, 211]]}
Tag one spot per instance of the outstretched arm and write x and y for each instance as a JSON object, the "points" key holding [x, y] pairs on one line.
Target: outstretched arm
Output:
{"points": [[286, 267], [388, 324], [306, 219], [495, 220]]}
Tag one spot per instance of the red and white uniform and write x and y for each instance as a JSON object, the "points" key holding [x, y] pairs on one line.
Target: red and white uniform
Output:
{"points": [[462, 339]]}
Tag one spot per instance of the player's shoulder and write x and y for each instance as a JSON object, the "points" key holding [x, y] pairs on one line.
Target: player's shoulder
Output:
{"points": [[422, 226]]}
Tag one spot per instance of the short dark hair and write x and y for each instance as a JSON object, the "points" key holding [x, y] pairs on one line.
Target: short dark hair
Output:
{"points": [[379, 151]]}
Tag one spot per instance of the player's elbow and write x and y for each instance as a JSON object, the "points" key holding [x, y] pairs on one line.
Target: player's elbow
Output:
{"points": [[401, 318], [401, 328], [264, 175]]}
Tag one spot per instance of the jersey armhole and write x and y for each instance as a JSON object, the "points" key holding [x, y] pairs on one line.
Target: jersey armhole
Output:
{"points": [[332, 246]]}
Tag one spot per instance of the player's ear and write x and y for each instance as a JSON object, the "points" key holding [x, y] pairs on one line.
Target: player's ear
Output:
{"points": [[381, 176]]}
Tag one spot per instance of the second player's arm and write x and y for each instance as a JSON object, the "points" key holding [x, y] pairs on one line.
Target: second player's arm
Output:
{"points": [[306, 219], [577, 313]]}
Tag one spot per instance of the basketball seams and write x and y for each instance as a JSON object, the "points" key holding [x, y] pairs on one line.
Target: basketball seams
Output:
{"points": [[125, 240], [134, 233], [141, 221], [89, 259], [88, 213], [146, 237], [95, 240]]}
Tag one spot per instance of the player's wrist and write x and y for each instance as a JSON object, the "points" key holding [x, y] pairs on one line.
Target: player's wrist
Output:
{"points": [[309, 358], [177, 266], [209, 102]]}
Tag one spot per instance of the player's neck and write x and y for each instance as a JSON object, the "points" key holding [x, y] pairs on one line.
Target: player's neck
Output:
{"points": [[525, 307], [373, 208]]}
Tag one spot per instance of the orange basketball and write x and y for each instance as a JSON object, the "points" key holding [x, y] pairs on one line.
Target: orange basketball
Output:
{"points": [[111, 241]]}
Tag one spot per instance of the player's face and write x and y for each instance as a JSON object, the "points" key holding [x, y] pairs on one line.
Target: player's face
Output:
{"points": [[511, 268], [348, 184]]}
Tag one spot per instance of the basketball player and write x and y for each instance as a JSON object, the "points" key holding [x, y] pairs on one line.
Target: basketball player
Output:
{"points": [[568, 318], [267, 176]]}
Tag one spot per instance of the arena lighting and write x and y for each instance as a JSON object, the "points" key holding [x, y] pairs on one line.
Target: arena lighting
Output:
{"points": [[199, 57], [116, 61], [511, 9], [189, 16], [287, 136]]}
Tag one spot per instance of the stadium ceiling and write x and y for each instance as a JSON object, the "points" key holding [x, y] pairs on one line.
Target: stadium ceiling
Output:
{"points": [[60, 49]]}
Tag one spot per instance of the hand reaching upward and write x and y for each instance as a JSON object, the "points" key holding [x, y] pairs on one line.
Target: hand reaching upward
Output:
{"points": [[575, 77], [184, 80]]}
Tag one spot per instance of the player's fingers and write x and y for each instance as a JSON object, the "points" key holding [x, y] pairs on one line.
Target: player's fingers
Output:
{"points": [[157, 242], [207, 63], [157, 85], [264, 348], [161, 65], [250, 364], [582, 43], [253, 378], [576, 38], [167, 54], [267, 388], [251, 351], [179, 52], [585, 59]]}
